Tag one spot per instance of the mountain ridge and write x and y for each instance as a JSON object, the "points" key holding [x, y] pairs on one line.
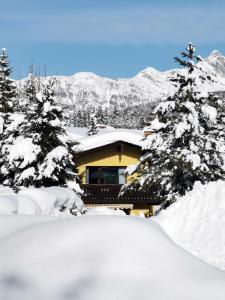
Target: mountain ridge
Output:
{"points": [[87, 90]]}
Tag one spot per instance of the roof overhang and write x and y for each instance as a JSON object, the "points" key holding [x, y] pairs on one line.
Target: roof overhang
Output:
{"points": [[104, 139]]}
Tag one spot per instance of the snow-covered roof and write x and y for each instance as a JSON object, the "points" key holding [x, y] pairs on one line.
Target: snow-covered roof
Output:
{"points": [[77, 133], [107, 137]]}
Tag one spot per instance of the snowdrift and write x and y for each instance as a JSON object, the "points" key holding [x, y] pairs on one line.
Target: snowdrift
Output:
{"points": [[99, 257], [196, 222], [45, 201]]}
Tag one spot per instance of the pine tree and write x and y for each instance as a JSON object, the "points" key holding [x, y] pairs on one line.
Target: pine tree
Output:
{"points": [[31, 88], [7, 100], [56, 159], [77, 118], [7, 92], [187, 140], [142, 122], [116, 118], [85, 118], [106, 116], [100, 116], [42, 155], [20, 151], [92, 126], [7, 88]]}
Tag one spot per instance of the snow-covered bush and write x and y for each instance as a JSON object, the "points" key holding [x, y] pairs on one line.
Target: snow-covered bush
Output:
{"points": [[40, 201]]}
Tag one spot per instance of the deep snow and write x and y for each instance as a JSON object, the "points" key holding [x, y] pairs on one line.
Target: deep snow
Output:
{"points": [[99, 257], [196, 222], [49, 255]]}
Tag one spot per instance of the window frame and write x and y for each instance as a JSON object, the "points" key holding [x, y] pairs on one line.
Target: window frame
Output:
{"points": [[100, 177]]}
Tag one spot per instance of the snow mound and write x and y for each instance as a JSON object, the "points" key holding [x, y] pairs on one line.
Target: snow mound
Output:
{"points": [[196, 222], [45, 201], [97, 258]]}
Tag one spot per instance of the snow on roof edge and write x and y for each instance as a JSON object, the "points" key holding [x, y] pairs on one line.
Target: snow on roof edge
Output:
{"points": [[103, 139]]}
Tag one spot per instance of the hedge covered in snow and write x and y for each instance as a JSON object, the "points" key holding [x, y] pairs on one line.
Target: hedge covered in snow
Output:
{"points": [[40, 201]]}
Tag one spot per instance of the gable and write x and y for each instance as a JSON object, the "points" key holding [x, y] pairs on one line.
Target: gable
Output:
{"points": [[117, 154]]}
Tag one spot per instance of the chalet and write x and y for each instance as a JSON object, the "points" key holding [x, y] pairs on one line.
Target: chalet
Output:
{"points": [[102, 161]]}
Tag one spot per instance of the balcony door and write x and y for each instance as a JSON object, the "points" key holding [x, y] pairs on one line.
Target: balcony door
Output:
{"points": [[106, 175]]}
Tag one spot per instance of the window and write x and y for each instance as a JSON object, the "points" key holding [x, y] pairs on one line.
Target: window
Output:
{"points": [[105, 175]]}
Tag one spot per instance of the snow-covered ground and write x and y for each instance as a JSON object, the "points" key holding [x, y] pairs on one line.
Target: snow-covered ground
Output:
{"points": [[99, 257], [196, 222], [49, 255]]}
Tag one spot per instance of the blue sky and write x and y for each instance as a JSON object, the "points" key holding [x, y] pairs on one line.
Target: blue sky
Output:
{"points": [[111, 38]]}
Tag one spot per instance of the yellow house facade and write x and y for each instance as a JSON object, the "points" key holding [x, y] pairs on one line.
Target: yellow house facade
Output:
{"points": [[114, 155], [102, 161]]}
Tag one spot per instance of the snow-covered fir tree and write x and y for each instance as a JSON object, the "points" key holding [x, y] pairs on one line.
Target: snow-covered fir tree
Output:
{"points": [[76, 119], [7, 92], [56, 159], [116, 117], [31, 88], [187, 143], [92, 125], [129, 117], [142, 122], [78, 122], [7, 88], [86, 118], [100, 116], [42, 155], [7, 100], [19, 149]]}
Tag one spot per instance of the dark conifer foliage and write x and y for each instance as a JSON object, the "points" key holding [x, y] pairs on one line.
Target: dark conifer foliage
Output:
{"points": [[92, 126], [7, 88], [7, 101]]}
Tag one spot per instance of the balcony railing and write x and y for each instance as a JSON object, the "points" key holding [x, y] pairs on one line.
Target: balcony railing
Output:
{"points": [[108, 194]]}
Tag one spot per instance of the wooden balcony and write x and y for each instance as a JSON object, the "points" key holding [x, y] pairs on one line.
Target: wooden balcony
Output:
{"points": [[108, 194]]}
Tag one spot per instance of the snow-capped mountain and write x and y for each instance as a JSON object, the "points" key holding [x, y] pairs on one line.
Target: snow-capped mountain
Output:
{"points": [[217, 61], [87, 89], [84, 90]]}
